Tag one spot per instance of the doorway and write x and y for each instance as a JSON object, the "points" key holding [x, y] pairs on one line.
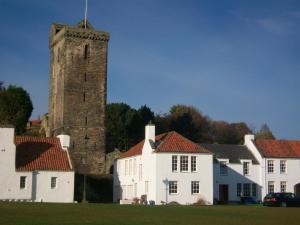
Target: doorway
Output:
{"points": [[297, 190], [223, 193]]}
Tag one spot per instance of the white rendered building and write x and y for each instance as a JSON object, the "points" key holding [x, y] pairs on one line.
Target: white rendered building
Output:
{"points": [[236, 173], [35, 169], [165, 168], [169, 167], [279, 162]]}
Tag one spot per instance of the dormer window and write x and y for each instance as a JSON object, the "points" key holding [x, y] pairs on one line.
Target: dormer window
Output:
{"points": [[246, 168], [223, 168]]}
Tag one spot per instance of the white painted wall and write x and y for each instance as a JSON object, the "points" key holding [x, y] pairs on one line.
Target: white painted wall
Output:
{"points": [[204, 175], [125, 182], [9, 180], [38, 183], [63, 192], [292, 175], [235, 175], [156, 190], [150, 166]]}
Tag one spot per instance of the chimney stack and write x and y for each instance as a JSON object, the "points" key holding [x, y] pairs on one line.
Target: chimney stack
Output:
{"points": [[150, 131]]}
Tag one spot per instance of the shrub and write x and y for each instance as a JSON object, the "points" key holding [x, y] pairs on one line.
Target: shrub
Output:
{"points": [[143, 200], [136, 200], [200, 201], [173, 203]]}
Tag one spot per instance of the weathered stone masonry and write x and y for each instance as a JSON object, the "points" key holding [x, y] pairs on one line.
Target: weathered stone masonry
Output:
{"points": [[77, 92]]}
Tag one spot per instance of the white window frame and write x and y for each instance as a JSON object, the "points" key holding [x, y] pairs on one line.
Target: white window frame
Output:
{"points": [[246, 168], [23, 182], [53, 182], [223, 168], [134, 167], [126, 167], [140, 172], [195, 187], [173, 187], [246, 189], [193, 164], [146, 187], [174, 163], [282, 166], [271, 187], [270, 166], [184, 163], [130, 167], [282, 186]]}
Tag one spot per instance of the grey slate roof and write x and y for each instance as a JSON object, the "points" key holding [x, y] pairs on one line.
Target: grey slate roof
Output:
{"points": [[232, 152]]}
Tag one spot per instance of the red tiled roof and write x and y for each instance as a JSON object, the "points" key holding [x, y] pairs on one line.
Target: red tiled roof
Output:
{"points": [[35, 153], [35, 122], [167, 142], [279, 148]]}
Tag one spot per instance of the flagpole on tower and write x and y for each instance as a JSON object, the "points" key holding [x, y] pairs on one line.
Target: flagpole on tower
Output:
{"points": [[85, 14]]}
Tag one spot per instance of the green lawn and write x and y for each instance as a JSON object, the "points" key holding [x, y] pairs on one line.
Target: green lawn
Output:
{"points": [[60, 214]]}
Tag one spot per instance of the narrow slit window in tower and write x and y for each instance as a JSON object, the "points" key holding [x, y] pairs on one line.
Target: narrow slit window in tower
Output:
{"points": [[86, 120], [83, 96], [86, 51]]}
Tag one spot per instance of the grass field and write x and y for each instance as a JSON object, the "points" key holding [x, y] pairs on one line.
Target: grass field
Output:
{"points": [[61, 214]]}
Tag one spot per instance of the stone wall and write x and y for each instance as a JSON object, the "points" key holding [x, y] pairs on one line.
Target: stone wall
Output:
{"points": [[77, 93]]}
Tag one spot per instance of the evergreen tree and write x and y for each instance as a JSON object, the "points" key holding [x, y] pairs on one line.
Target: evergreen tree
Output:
{"points": [[15, 107], [264, 133]]}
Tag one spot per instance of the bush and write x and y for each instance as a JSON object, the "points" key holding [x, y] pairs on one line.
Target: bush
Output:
{"points": [[173, 203], [200, 201], [136, 200], [143, 200]]}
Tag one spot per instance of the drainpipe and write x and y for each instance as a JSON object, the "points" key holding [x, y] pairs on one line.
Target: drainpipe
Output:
{"points": [[265, 176]]}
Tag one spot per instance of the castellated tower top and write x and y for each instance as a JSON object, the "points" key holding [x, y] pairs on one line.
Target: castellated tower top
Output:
{"points": [[59, 31]]}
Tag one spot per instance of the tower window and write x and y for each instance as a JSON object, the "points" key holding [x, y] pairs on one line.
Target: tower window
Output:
{"points": [[86, 51], [73, 144], [85, 77], [86, 120], [83, 96], [83, 160], [86, 138], [58, 54]]}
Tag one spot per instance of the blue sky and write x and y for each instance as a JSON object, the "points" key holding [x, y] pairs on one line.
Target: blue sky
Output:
{"points": [[234, 60]]}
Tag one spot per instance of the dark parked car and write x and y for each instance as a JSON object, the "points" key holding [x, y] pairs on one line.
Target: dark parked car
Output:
{"points": [[248, 201], [283, 199]]}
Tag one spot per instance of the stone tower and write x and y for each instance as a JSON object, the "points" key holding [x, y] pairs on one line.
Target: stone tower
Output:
{"points": [[77, 92]]}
